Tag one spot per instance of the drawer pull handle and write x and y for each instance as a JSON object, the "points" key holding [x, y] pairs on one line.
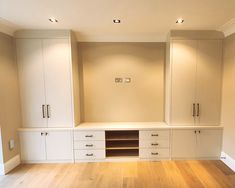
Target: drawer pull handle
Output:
{"points": [[89, 145], [154, 134], [89, 136], [154, 144], [89, 155], [154, 153]]}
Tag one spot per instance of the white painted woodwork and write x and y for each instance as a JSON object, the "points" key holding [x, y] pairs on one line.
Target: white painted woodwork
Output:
{"points": [[183, 144], [183, 76], [209, 143], [57, 70], [209, 74], [193, 75], [89, 135], [31, 77], [198, 143], [154, 134], [59, 145], [89, 154], [151, 153], [32, 144], [89, 144], [154, 143]]}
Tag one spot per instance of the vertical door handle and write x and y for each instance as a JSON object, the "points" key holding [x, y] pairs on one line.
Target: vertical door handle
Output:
{"points": [[194, 110], [198, 109], [48, 111], [43, 111]]}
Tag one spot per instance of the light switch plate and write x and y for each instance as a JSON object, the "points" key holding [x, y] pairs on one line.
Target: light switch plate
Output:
{"points": [[11, 144]]}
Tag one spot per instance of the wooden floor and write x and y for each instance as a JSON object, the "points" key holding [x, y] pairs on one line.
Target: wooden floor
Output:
{"points": [[164, 174]]}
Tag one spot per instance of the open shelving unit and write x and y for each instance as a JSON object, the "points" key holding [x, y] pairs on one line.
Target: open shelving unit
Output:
{"points": [[122, 143]]}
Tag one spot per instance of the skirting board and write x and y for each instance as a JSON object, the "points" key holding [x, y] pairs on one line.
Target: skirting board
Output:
{"points": [[229, 161], [9, 165]]}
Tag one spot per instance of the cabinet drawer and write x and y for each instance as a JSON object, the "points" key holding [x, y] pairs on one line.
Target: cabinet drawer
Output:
{"points": [[89, 144], [89, 154], [89, 135], [154, 153], [154, 144], [154, 135]]}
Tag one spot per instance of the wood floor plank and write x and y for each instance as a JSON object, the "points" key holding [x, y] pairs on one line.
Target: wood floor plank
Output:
{"points": [[162, 174]]}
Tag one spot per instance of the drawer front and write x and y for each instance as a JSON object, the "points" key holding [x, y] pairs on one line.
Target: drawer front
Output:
{"points": [[154, 153], [89, 154], [89, 144], [154, 135], [154, 144], [89, 135]]}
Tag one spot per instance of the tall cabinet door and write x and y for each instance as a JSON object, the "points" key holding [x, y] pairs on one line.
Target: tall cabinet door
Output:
{"points": [[58, 82], [31, 76], [183, 67], [209, 70]]}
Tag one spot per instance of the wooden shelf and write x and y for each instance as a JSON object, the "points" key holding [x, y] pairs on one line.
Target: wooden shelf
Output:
{"points": [[122, 143], [121, 148], [122, 153]]}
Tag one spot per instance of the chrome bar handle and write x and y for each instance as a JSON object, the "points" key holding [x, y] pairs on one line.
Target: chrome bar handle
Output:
{"points": [[48, 111], [43, 111], [198, 109], [194, 110]]}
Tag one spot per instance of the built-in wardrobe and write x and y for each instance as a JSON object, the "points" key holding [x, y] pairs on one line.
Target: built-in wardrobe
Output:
{"points": [[49, 85]]}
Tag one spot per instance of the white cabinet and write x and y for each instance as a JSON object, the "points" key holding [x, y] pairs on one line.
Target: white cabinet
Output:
{"points": [[193, 77], [154, 144], [196, 143], [46, 146], [89, 145], [46, 81], [33, 147]]}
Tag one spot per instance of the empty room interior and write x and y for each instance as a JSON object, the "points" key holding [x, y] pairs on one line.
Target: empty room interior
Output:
{"points": [[117, 94]]}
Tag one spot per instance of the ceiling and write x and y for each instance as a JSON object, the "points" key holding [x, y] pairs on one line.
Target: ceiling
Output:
{"points": [[141, 20]]}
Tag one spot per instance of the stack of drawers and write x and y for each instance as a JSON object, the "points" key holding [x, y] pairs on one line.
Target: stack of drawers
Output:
{"points": [[89, 145], [154, 144]]}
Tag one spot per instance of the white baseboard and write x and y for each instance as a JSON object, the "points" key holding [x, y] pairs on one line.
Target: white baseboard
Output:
{"points": [[9, 165], [229, 161]]}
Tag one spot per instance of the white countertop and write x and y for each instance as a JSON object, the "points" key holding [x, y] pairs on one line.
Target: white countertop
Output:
{"points": [[124, 126]]}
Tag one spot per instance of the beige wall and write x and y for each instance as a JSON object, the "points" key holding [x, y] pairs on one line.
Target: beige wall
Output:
{"points": [[9, 96], [228, 100], [105, 100]]}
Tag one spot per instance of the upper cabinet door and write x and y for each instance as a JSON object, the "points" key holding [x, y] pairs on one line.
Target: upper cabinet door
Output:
{"points": [[209, 70], [183, 70], [57, 66], [31, 76]]}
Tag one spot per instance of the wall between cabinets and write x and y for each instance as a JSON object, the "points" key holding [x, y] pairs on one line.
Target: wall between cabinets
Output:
{"points": [[104, 100], [10, 117], [228, 99]]}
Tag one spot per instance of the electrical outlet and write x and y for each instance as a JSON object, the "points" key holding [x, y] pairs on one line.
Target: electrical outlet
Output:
{"points": [[11, 144], [118, 80]]}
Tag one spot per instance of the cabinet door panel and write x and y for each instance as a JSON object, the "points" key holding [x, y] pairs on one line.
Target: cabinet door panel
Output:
{"points": [[209, 143], [58, 82], [183, 81], [32, 145], [30, 64], [183, 144], [59, 145], [209, 70]]}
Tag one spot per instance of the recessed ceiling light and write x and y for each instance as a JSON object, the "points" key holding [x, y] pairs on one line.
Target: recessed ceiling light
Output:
{"points": [[53, 20], [180, 21], [116, 21]]}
